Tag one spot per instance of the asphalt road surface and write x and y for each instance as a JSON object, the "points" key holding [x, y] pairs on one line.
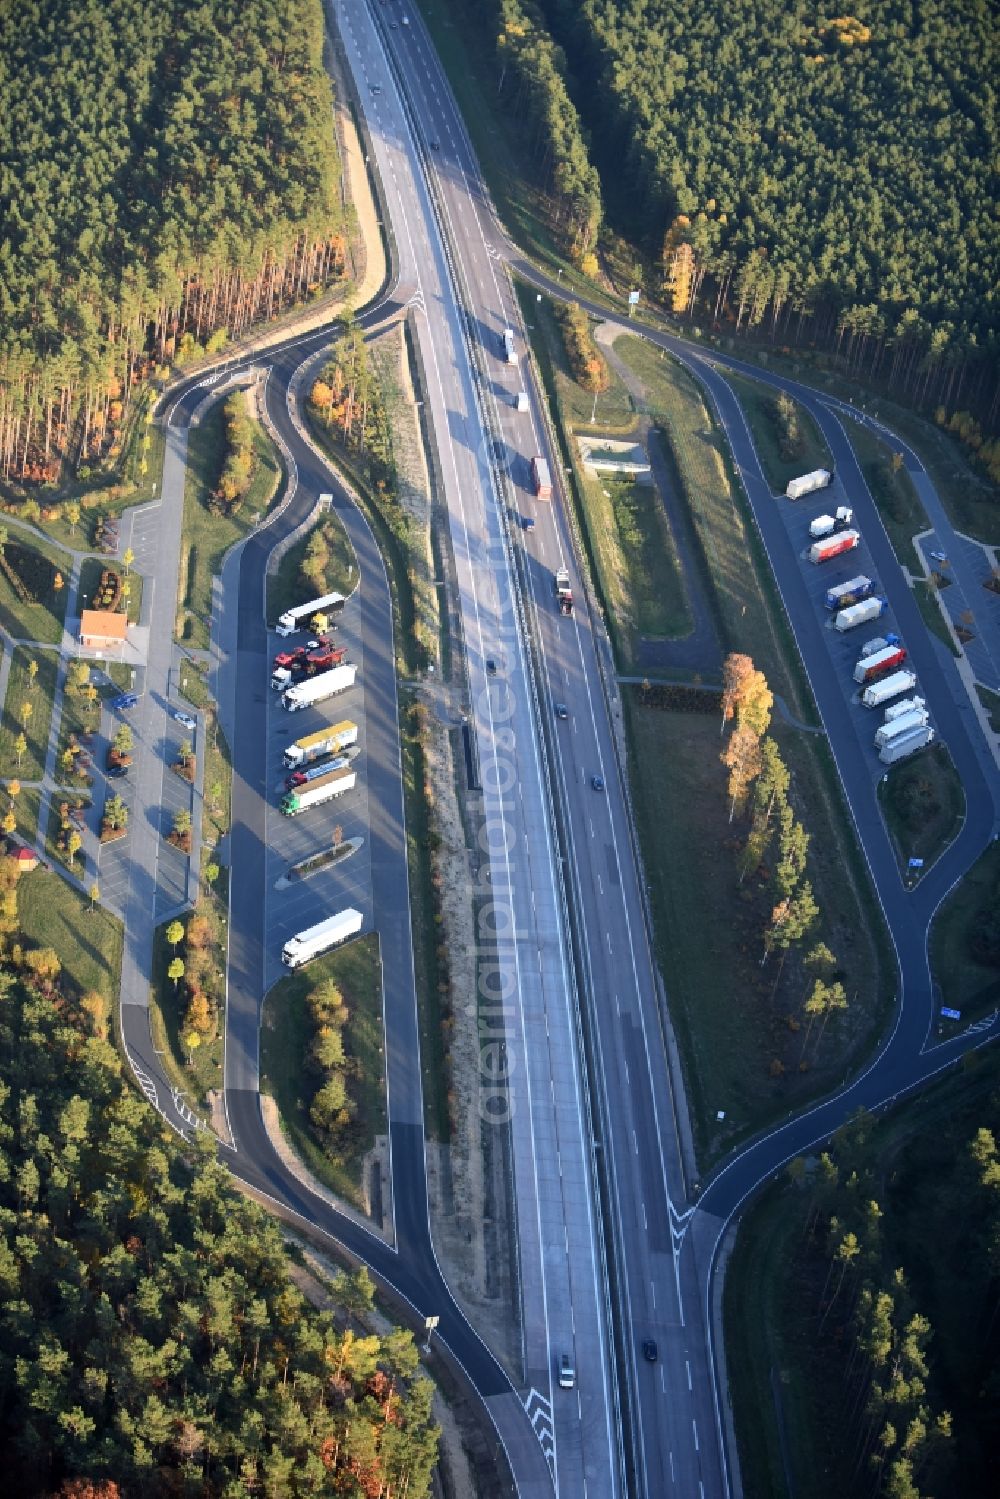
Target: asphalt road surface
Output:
{"points": [[553, 1438]]}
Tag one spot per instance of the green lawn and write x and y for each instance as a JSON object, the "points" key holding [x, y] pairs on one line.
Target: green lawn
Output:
{"points": [[285, 1037], [736, 570], [730, 1025], [923, 805], [653, 566], [991, 702], [758, 402], [286, 587], [54, 835], [967, 984], [89, 942], [26, 807], [91, 569], [41, 615], [892, 490], [207, 537], [199, 1072], [931, 615], [19, 692]]}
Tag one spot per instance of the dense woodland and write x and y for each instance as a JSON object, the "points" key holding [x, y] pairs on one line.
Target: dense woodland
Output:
{"points": [[167, 175], [823, 180], [891, 1301], [151, 1341]]}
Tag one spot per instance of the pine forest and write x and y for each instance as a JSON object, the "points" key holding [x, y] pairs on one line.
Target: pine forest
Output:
{"points": [[151, 1340], [168, 176], [825, 180]]}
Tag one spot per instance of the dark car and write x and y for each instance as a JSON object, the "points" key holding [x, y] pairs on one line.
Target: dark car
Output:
{"points": [[491, 666], [125, 700], [562, 711], [597, 782], [649, 1351], [435, 145], [115, 772]]}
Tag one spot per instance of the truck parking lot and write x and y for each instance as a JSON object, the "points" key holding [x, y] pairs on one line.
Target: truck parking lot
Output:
{"points": [[846, 646], [292, 906]]}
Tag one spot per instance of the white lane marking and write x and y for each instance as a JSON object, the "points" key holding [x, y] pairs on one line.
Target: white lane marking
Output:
{"points": [[687, 1366], [694, 1428]]}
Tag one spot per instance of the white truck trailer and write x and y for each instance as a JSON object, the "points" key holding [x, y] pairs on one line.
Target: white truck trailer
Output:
{"points": [[320, 938], [906, 744], [315, 793], [296, 619], [317, 689], [858, 614], [896, 727], [825, 525], [323, 742], [509, 351], [907, 705], [807, 483], [889, 687]]}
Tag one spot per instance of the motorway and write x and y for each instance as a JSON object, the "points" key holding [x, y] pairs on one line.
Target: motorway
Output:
{"points": [[561, 871]]}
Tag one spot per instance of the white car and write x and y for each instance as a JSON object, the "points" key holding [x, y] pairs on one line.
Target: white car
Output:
{"points": [[185, 719]]}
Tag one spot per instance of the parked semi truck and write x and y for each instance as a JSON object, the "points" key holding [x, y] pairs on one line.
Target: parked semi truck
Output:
{"points": [[298, 778], [312, 664], [324, 742], [334, 783], [833, 546], [879, 662], [907, 744], [888, 688], [826, 525], [851, 592], [896, 727], [859, 614], [296, 619], [318, 689], [907, 705], [541, 479], [807, 483], [320, 938], [564, 594]]}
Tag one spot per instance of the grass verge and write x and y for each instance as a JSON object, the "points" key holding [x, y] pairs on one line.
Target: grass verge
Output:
{"points": [[403, 558], [923, 805], [959, 940], [991, 702], [893, 492], [741, 1053], [287, 586], [34, 606], [195, 1072], [88, 941], [930, 613], [25, 807], [736, 571], [91, 569], [27, 709], [759, 404], [285, 1039], [207, 537]]}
